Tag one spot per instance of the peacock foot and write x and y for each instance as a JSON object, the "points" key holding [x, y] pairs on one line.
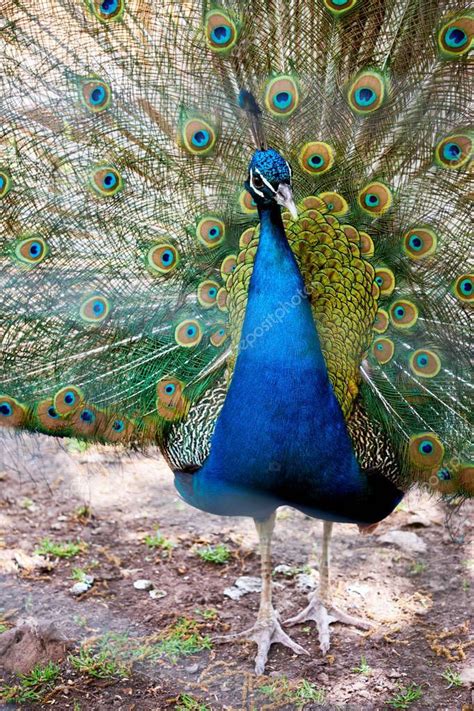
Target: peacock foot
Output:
{"points": [[266, 631], [324, 615]]}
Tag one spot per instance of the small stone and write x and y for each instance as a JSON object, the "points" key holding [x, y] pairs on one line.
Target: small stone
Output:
{"points": [[242, 586], [56, 526], [467, 676], [143, 584], [283, 570], [79, 589], [192, 669], [407, 541], [157, 594], [305, 582]]}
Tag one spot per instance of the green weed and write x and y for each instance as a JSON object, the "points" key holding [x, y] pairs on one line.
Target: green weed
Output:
{"points": [[405, 697], [60, 550], [452, 677], [214, 554], [33, 686], [363, 667], [188, 703]]}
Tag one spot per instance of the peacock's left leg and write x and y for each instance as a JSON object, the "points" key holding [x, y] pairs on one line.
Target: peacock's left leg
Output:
{"points": [[267, 629], [320, 608]]}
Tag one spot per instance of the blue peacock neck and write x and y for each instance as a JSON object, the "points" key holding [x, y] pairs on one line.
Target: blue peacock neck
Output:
{"points": [[280, 436]]}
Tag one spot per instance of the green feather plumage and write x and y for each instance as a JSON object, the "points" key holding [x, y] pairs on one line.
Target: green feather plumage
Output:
{"points": [[98, 168]]}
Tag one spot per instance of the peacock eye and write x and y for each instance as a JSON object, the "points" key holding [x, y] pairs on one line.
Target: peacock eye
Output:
{"points": [[257, 181]]}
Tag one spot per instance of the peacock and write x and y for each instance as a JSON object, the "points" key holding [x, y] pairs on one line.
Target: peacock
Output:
{"points": [[239, 230]]}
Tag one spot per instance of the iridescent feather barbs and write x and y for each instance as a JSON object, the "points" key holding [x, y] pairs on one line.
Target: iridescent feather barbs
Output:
{"points": [[128, 239]]}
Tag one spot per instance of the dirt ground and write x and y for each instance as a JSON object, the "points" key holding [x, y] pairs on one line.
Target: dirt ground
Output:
{"points": [[419, 599]]}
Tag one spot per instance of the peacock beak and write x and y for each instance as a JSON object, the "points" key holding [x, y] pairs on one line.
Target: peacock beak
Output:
{"points": [[284, 197]]}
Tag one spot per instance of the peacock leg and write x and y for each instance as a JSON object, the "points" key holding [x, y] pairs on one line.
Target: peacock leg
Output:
{"points": [[320, 608], [267, 629]]}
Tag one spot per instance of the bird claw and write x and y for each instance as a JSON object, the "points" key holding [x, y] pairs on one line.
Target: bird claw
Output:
{"points": [[323, 616], [265, 632]]}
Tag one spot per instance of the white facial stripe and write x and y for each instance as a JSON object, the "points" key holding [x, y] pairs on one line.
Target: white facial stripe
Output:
{"points": [[289, 169], [259, 192], [269, 185]]}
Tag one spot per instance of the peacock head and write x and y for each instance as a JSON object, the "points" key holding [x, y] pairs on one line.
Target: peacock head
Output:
{"points": [[269, 180]]}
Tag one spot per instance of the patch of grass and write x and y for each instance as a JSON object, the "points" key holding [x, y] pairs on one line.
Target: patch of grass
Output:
{"points": [[417, 568], [159, 541], [3, 628], [100, 664], [185, 702], [298, 694], [405, 697], [60, 550], [78, 574], [218, 555], [452, 677], [33, 686], [363, 667], [182, 639], [209, 614]]}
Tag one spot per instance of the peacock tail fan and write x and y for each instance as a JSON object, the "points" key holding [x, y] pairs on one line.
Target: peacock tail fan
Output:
{"points": [[128, 239]]}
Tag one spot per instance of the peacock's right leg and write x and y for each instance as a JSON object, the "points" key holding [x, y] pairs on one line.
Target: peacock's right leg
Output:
{"points": [[267, 629], [320, 608]]}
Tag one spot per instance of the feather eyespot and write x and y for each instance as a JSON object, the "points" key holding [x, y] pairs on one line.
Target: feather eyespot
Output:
{"points": [[367, 93], [170, 401], [455, 38], [335, 204], [188, 334], [210, 231], [68, 400], [426, 450], [106, 181], [108, 10], [453, 151], [219, 336], [282, 96], [228, 266], [88, 421], [162, 258], [375, 199], [198, 136], [221, 31], [383, 350], [247, 203], [403, 314], [207, 293], [339, 7], [222, 297], [12, 413], [367, 247], [96, 95], [48, 416], [118, 429], [425, 363], [5, 182], [381, 321], [95, 309], [31, 251], [385, 280], [463, 288], [419, 242], [316, 158]]}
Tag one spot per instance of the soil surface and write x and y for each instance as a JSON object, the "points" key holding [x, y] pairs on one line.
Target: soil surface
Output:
{"points": [[415, 589]]}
